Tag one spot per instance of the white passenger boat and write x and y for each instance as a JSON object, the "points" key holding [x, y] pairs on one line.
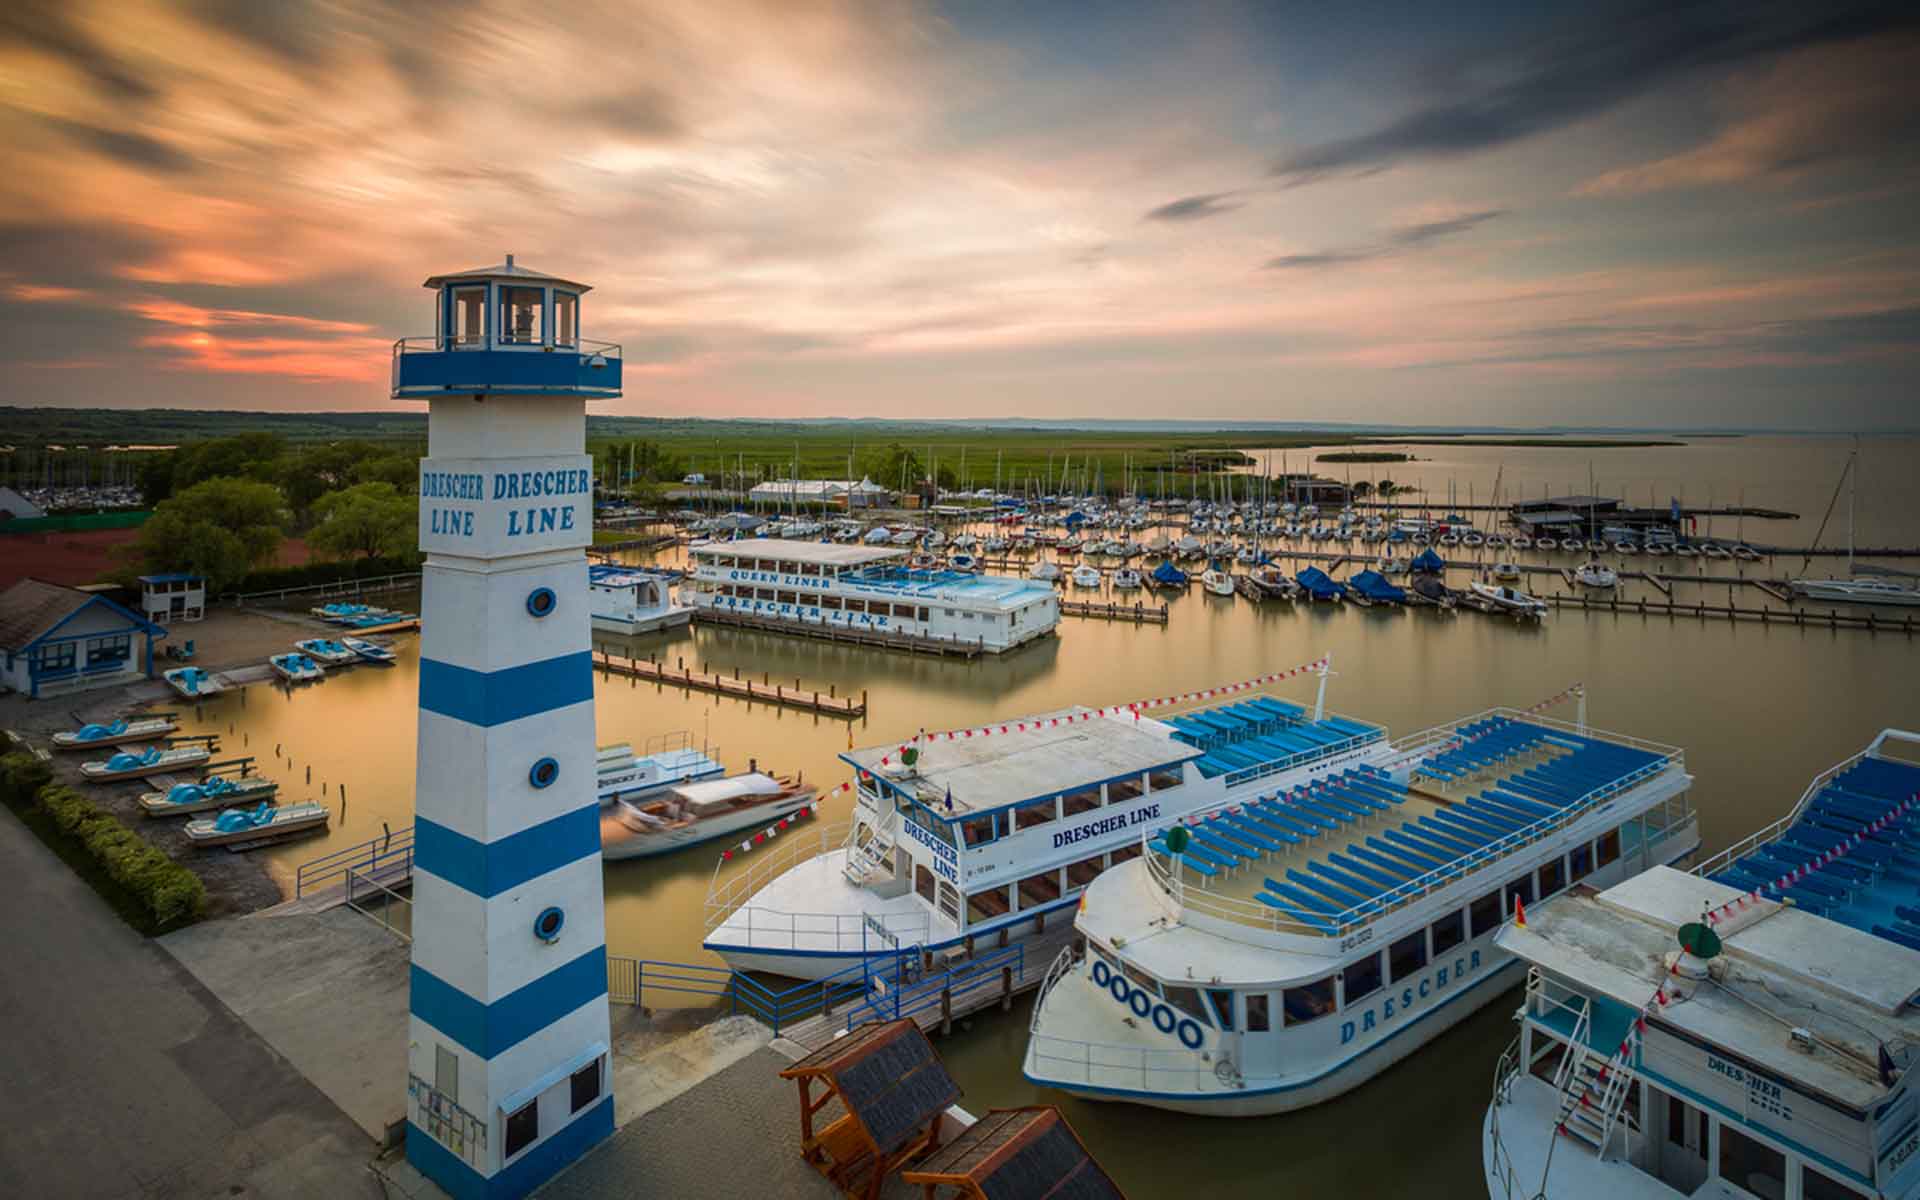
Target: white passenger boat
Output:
{"points": [[193, 683], [814, 584], [630, 600], [666, 760], [1747, 1030], [994, 833], [688, 814], [1217, 582], [372, 652], [1126, 579], [113, 733], [1864, 589], [1046, 572], [1308, 938]]}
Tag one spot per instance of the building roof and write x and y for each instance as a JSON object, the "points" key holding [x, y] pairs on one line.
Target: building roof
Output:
{"points": [[508, 270], [13, 504], [33, 608], [173, 577], [826, 553], [789, 487], [991, 769]]}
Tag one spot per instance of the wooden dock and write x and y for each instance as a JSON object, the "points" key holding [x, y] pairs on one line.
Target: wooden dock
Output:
{"points": [[1140, 614], [832, 704], [653, 541], [911, 643], [1799, 618]]}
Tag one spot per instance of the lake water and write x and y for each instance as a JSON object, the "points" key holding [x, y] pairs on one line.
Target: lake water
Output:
{"points": [[1758, 710]]}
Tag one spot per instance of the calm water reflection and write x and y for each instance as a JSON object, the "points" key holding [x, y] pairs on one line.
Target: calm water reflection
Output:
{"points": [[1758, 710]]}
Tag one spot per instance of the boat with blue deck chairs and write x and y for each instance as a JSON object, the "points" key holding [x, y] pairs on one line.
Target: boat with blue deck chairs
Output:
{"points": [[996, 833], [295, 668], [1372, 587], [154, 760], [193, 683], [1318, 585], [1281, 948], [1747, 1029]]}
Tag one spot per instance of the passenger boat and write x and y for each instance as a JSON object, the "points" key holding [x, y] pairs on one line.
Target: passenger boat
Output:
{"points": [[666, 760], [690, 813], [1126, 579], [1497, 597], [367, 651], [1744, 1030], [326, 652], [295, 668], [215, 791], [154, 760], [1086, 577], [1278, 951], [114, 732], [994, 833], [866, 588], [341, 614], [630, 600], [192, 683], [1595, 574], [267, 820], [1217, 582]]}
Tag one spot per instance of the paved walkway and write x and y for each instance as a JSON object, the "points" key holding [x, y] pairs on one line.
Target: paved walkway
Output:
{"points": [[125, 1078]]}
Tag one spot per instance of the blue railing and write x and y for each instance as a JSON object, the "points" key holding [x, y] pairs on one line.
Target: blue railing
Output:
{"points": [[904, 997], [629, 980], [387, 852]]}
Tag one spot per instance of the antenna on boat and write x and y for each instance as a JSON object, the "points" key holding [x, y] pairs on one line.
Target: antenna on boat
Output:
{"points": [[1320, 700], [1580, 712]]}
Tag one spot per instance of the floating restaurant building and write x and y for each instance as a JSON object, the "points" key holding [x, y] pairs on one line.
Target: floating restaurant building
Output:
{"points": [[508, 1072], [867, 589]]}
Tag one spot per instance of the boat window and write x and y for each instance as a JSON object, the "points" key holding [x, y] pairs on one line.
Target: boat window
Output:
{"points": [[1222, 1008], [1750, 1164], [1449, 931], [1816, 1186], [1141, 979], [1361, 978], [1038, 890], [1257, 1012], [832, 602], [789, 598], [1520, 889], [950, 901], [1553, 877], [767, 594], [809, 569], [1187, 1000], [520, 311], [1579, 863], [923, 882], [856, 605], [1160, 781], [988, 904], [1039, 812], [1308, 1002], [947, 611], [1407, 955], [523, 1127], [1608, 850], [1105, 957], [1486, 913], [1125, 789], [923, 613], [1124, 853], [1082, 873], [1084, 800], [977, 831]]}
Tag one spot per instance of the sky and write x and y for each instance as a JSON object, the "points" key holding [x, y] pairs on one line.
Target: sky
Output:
{"points": [[1592, 214]]}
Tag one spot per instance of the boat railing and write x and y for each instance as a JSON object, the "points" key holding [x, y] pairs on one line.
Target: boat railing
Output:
{"points": [[1107, 1064], [1062, 963], [1500, 1169], [1303, 758], [775, 930], [632, 980], [905, 993], [391, 854], [727, 895]]}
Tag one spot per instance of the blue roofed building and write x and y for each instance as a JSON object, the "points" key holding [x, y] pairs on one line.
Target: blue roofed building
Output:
{"points": [[55, 640]]}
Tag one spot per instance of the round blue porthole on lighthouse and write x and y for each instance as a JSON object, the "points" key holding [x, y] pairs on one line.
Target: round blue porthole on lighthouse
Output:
{"points": [[543, 773], [548, 924], [541, 601]]}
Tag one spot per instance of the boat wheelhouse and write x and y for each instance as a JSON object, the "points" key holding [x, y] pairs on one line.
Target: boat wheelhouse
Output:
{"points": [[1302, 942], [630, 600], [867, 589], [666, 760], [1742, 1031], [995, 833]]}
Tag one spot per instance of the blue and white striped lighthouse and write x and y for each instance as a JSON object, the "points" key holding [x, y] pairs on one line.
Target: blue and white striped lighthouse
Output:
{"points": [[508, 1066]]}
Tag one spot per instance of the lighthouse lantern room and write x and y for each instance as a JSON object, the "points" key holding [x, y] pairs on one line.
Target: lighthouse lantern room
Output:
{"points": [[508, 1075]]}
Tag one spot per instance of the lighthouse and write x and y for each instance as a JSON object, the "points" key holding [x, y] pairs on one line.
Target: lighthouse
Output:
{"points": [[508, 1071]]}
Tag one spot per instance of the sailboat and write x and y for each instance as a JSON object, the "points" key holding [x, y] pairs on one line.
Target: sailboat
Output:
{"points": [[1855, 589]]}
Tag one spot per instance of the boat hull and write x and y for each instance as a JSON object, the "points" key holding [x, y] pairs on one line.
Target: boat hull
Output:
{"points": [[142, 733], [635, 844], [102, 775], [648, 623], [155, 804], [278, 829]]}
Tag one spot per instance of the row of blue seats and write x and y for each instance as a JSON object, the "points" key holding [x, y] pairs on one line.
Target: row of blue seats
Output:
{"points": [[1494, 741], [1275, 823], [1222, 758], [1241, 719]]}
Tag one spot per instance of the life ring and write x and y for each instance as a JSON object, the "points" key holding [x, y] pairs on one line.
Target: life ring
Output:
{"points": [[1161, 1010], [1191, 1043], [1140, 1002], [1117, 985], [1101, 972]]}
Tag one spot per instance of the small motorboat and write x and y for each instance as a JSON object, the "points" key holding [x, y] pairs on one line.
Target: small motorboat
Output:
{"points": [[343, 613], [154, 760], [1684, 550], [1371, 587], [1596, 574], [1472, 541], [1500, 598], [1520, 541], [326, 652], [1626, 547], [1594, 546], [1541, 543], [267, 820], [1126, 579], [1746, 553], [295, 668], [192, 683], [1506, 569], [372, 652], [215, 791], [1086, 577], [1714, 550], [1217, 582], [690, 813], [1272, 581], [1046, 572], [923, 562], [1246, 556], [114, 732], [1433, 590], [964, 562], [1166, 575], [1658, 549], [1318, 585], [997, 545]]}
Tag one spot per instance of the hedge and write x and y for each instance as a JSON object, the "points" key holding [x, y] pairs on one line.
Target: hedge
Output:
{"points": [[168, 892], [274, 578]]}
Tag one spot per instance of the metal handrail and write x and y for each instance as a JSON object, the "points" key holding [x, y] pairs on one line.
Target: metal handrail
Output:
{"points": [[436, 343], [1062, 963], [368, 856], [898, 998], [726, 897], [1768, 833], [1180, 1066], [353, 902]]}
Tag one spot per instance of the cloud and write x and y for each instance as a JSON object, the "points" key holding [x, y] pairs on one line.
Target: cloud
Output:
{"points": [[1193, 208], [123, 146], [1401, 240], [1584, 70], [49, 27]]}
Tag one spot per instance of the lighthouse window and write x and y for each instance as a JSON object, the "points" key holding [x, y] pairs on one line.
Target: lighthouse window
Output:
{"points": [[469, 316], [1407, 955], [1362, 978], [566, 308], [585, 1085], [520, 314], [1309, 1002]]}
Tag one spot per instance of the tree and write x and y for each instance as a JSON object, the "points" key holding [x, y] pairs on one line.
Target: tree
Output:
{"points": [[367, 519], [893, 467], [248, 455], [400, 470], [220, 528]]}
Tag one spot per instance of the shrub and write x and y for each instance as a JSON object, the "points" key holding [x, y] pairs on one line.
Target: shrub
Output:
{"points": [[166, 890], [21, 775], [274, 578]]}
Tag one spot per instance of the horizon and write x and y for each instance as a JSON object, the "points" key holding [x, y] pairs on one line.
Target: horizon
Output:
{"points": [[1502, 219]]}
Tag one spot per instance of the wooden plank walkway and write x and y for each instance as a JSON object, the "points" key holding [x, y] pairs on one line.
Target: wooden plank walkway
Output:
{"points": [[831, 704], [656, 541], [1799, 618], [1138, 613], [952, 647]]}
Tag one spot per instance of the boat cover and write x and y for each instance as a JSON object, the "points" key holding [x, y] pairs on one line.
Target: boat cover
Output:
{"points": [[1375, 586], [1429, 563], [1169, 574], [1319, 584]]}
